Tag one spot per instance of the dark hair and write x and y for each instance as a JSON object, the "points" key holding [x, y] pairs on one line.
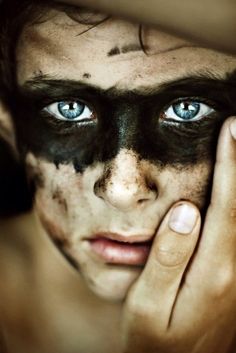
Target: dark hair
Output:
{"points": [[15, 194], [14, 15]]}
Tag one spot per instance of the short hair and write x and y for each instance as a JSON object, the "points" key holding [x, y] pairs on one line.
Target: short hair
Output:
{"points": [[16, 196], [14, 15]]}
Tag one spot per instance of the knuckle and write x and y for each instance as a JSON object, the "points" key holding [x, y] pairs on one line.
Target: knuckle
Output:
{"points": [[233, 214], [171, 256], [133, 306], [232, 210], [138, 307]]}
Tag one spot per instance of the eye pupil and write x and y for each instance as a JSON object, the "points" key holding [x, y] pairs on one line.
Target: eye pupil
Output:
{"points": [[186, 110], [71, 110]]}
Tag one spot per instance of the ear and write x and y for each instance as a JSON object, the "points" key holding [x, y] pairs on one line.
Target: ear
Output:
{"points": [[7, 131]]}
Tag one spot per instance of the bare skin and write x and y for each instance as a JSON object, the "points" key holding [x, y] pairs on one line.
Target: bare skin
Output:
{"points": [[161, 312], [207, 22], [191, 316]]}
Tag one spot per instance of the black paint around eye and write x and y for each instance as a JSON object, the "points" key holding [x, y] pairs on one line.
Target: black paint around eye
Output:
{"points": [[125, 120]]}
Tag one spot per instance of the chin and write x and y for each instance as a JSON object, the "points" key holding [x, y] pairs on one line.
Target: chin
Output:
{"points": [[114, 283]]}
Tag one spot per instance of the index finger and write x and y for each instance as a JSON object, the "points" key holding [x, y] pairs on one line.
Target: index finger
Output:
{"points": [[218, 242], [157, 288]]}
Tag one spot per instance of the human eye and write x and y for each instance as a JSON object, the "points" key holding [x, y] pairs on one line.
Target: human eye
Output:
{"points": [[71, 111], [186, 110]]}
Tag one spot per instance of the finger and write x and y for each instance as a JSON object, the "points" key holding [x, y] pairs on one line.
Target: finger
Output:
{"points": [[218, 243], [211, 276], [156, 290]]}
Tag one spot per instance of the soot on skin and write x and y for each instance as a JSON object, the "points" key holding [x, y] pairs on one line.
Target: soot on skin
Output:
{"points": [[58, 196], [114, 51], [86, 75], [125, 49], [61, 242], [130, 120]]}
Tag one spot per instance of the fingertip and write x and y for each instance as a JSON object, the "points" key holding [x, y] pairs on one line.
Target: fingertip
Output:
{"points": [[226, 149], [232, 127], [183, 218], [178, 234]]}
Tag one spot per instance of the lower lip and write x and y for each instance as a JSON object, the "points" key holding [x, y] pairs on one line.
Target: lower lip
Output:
{"points": [[114, 252]]}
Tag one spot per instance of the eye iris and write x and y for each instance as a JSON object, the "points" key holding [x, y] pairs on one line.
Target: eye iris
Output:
{"points": [[186, 110], [71, 110]]}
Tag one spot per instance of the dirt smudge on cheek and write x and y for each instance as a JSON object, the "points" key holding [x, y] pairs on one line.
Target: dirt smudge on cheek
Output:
{"points": [[55, 232], [57, 196], [197, 184], [86, 75], [59, 238], [114, 51]]}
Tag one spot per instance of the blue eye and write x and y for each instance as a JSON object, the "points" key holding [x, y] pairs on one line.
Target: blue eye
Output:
{"points": [[187, 110], [70, 111]]}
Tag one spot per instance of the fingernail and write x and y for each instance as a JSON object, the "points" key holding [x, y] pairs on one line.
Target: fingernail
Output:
{"points": [[233, 128], [183, 219]]}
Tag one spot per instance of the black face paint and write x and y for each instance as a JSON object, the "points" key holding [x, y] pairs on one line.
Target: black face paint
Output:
{"points": [[60, 199], [126, 49], [62, 244], [114, 51], [86, 75], [125, 119]]}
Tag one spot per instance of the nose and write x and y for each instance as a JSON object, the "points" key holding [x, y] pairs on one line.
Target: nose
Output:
{"points": [[125, 184]]}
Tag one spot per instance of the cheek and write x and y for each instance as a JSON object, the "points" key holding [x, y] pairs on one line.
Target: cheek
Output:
{"points": [[54, 191], [64, 199], [190, 183], [52, 209], [69, 209]]}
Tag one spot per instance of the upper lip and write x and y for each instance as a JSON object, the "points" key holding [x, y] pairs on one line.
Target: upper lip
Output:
{"points": [[134, 238]]}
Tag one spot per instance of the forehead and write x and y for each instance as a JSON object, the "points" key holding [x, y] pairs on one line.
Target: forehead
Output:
{"points": [[110, 54]]}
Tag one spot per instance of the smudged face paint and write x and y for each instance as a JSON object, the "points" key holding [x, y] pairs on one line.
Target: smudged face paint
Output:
{"points": [[113, 138]]}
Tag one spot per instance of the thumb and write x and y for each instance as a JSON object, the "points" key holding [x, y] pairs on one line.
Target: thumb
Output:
{"points": [[157, 288]]}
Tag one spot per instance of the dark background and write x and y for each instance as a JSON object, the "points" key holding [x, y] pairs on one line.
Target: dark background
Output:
{"points": [[15, 196]]}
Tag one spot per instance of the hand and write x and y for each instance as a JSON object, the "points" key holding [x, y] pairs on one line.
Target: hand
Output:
{"points": [[209, 22], [185, 299]]}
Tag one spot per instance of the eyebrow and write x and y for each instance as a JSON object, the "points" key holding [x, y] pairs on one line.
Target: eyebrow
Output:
{"points": [[51, 86]]}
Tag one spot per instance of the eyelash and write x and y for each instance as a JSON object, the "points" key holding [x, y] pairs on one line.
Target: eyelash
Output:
{"points": [[60, 125], [63, 126], [191, 127], [66, 127]]}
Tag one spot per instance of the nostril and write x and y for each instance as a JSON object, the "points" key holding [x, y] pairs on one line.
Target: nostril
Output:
{"points": [[142, 201], [153, 188], [151, 185], [125, 189], [98, 186]]}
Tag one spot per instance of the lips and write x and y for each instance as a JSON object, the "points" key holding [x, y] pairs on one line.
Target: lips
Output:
{"points": [[116, 249]]}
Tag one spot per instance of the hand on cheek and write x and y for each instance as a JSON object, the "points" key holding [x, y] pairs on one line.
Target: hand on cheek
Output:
{"points": [[185, 299]]}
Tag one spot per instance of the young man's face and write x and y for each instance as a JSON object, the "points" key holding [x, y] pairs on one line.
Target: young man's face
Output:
{"points": [[113, 136]]}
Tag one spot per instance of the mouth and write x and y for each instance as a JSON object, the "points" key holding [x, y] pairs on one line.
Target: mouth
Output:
{"points": [[120, 250]]}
